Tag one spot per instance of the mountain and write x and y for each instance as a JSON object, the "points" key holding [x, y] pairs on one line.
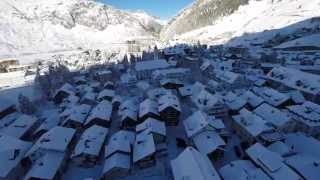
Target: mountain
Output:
{"points": [[265, 22], [199, 14], [39, 26]]}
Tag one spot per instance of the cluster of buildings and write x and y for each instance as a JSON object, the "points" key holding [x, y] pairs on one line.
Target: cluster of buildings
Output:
{"points": [[188, 115]]}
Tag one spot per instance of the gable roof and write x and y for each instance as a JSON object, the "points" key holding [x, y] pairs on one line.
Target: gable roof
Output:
{"points": [[120, 141], [196, 123], [153, 126], [151, 65], [271, 96], [20, 126], [167, 101], [208, 141], [192, 165], [102, 111], [272, 115], [148, 106], [144, 146]]}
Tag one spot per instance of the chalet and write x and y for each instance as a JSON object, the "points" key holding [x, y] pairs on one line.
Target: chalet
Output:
{"points": [[87, 151], [171, 83], [89, 98], [155, 127], [117, 166], [63, 92], [230, 80], [196, 123], [12, 151], [57, 139], [69, 102], [234, 102], [296, 96], [78, 80], [144, 150], [106, 94], [172, 73], [148, 109], [193, 165], [249, 126], [278, 119], [242, 170], [128, 118], [209, 143], [307, 117], [103, 75], [271, 163], [21, 128], [51, 120], [145, 69], [252, 100], [49, 166], [156, 93], [6, 107], [120, 142], [273, 97], [209, 103], [284, 78], [77, 116], [128, 79], [207, 68], [100, 115], [169, 109], [109, 85]]}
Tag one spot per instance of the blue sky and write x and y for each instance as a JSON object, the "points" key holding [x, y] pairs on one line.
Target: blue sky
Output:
{"points": [[165, 9]]}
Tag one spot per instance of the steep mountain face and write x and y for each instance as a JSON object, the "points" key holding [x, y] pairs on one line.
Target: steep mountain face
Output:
{"points": [[200, 14], [31, 26], [265, 23]]}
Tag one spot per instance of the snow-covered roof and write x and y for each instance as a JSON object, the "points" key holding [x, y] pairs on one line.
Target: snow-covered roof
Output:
{"points": [[90, 95], [57, 139], [192, 165], [227, 76], [129, 104], [78, 113], [296, 79], [205, 100], [106, 93], [186, 90], [47, 166], [271, 96], [167, 101], [157, 92], [300, 143], [20, 126], [67, 88], [12, 151], [233, 101], [51, 120], [208, 141], [305, 41], [117, 161], [271, 162], [196, 123], [296, 96], [307, 113], [153, 126], [128, 113], [120, 141], [252, 99], [144, 146], [169, 72], [307, 166], [242, 170], [91, 141], [280, 148], [102, 111], [165, 81], [252, 123], [148, 106], [151, 65], [273, 115]]}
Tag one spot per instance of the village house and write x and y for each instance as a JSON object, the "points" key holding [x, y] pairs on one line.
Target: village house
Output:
{"points": [[57, 139], [169, 109], [148, 109], [156, 93], [278, 119], [172, 73], [128, 118], [242, 170], [230, 80], [78, 80], [253, 101], [155, 127], [271, 163], [63, 92], [100, 115], [128, 79], [285, 79], [249, 126], [207, 68], [210, 104], [109, 85], [192, 165], [145, 69], [47, 167], [171, 83], [21, 128], [102, 75], [144, 150], [87, 151], [76, 116], [106, 94], [120, 142], [89, 98], [51, 120], [234, 102], [6, 107], [116, 166], [273, 97], [307, 117], [4, 63], [12, 151]]}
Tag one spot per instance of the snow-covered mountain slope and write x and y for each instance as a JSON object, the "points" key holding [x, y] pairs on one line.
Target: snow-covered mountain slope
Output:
{"points": [[259, 22], [33, 26], [199, 14]]}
